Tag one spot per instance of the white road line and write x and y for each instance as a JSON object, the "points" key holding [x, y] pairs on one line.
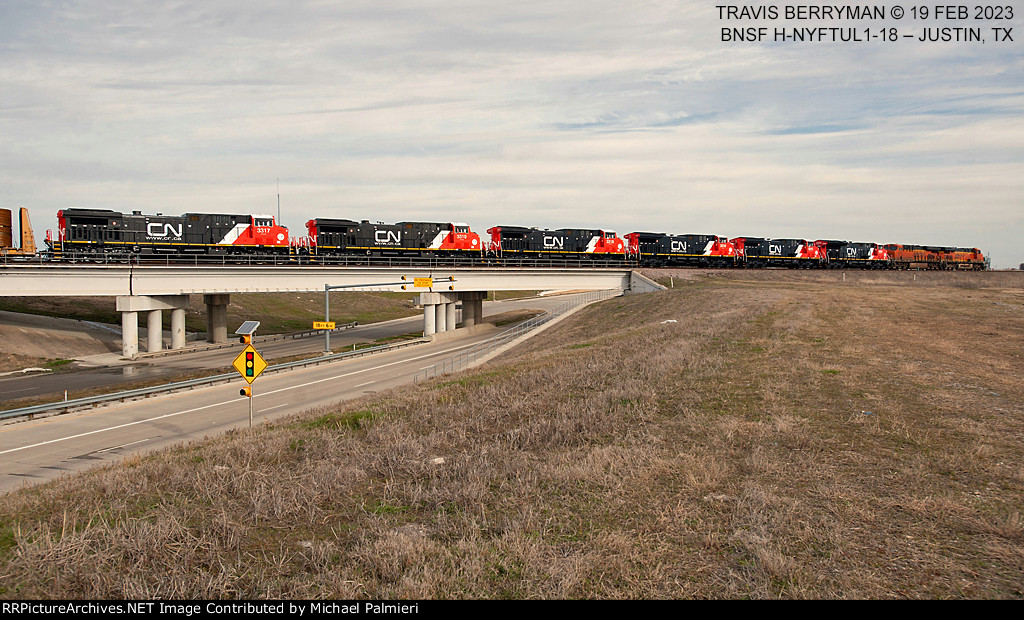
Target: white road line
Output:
{"points": [[362, 384], [114, 428], [272, 408], [226, 402], [125, 445]]}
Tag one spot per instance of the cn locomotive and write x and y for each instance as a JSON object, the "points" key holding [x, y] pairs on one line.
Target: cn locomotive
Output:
{"points": [[111, 236], [104, 233]]}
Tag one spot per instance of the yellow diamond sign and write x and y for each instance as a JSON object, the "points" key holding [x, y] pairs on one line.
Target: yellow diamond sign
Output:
{"points": [[249, 363]]}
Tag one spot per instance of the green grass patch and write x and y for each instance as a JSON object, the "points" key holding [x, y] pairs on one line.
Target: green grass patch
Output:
{"points": [[351, 420]]}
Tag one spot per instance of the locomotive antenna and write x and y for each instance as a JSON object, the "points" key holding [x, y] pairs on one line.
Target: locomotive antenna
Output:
{"points": [[278, 201]]}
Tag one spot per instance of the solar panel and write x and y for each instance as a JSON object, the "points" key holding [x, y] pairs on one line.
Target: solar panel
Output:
{"points": [[247, 328]]}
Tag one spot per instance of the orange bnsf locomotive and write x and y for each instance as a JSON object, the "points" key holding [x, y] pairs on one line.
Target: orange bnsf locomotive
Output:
{"points": [[933, 257], [102, 234]]}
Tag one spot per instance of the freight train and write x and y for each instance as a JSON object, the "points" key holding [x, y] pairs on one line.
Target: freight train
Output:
{"points": [[99, 234]]}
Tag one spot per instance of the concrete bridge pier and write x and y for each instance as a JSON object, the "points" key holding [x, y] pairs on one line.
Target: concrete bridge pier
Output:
{"points": [[440, 314], [217, 317], [472, 307], [153, 305]]}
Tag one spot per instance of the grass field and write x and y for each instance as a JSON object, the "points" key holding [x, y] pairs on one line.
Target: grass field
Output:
{"points": [[742, 435]]}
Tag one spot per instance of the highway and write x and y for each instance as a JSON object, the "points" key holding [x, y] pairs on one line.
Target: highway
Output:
{"points": [[33, 451], [218, 360]]}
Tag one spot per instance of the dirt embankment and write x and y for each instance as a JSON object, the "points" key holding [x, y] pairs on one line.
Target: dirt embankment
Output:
{"points": [[27, 340]]}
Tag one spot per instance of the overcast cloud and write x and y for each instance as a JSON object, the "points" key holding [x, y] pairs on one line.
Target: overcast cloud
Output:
{"points": [[621, 115]]}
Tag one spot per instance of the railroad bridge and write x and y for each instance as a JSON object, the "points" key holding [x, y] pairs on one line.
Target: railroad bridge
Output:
{"points": [[154, 289]]}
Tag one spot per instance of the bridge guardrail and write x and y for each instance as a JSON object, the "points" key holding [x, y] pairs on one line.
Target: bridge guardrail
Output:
{"points": [[136, 394], [292, 260]]}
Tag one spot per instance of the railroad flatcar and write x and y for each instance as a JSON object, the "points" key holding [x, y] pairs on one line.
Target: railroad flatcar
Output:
{"points": [[28, 240], [560, 243], [348, 237], [102, 232], [848, 254], [761, 252], [677, 250]]}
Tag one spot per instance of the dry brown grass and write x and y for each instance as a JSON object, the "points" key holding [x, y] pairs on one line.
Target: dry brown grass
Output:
{"points": [[12, 362], [786, 438]]}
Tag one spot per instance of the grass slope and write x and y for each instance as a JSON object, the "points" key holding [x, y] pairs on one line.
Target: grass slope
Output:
{"points": [[784, 439]]}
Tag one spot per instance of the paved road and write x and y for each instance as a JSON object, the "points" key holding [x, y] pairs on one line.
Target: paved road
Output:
{"points": [[219, 359], [33, 451]]}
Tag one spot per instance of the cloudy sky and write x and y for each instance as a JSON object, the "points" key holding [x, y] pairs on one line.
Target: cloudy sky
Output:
{"points": [[605, 114]]}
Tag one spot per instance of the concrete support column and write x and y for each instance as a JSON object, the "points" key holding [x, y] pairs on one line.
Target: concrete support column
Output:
{"points": [[429, 320], [155, 331], [129, 334], [478, 308], [450, 319], [130, 305], [440, 318], [468, 318], [438, 312], [472, 307], [217, 317], [178, 328]]}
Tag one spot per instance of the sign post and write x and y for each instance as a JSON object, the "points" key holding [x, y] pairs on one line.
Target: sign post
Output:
{"points": [[249, 363], [418, 282]]}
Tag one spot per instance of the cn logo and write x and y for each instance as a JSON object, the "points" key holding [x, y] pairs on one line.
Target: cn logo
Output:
{"points": [[554, 242], [387, 236], [774, 250], [156, 229], [678, 246]]}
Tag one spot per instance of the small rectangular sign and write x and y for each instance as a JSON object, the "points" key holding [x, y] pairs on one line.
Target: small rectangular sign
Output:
{"points": [[323, 324], [423, 282]]}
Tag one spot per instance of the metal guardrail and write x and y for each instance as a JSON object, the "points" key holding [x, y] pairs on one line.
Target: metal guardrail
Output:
{"points": [[269, 338], [68, 405], [467, 357]]}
